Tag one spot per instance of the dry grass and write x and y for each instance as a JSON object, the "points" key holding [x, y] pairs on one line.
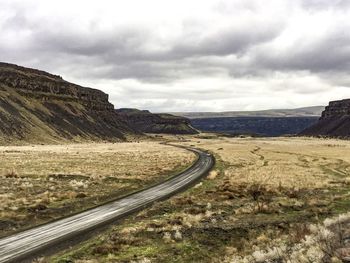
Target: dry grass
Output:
{"points": [[260, 200], [323, 243], [39, 183], [286, 162]]}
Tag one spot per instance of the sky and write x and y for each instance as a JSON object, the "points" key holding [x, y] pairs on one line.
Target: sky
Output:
{"points": [[187, 55]]}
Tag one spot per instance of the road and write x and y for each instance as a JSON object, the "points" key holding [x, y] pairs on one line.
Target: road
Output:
{"points": [[32, 242]]}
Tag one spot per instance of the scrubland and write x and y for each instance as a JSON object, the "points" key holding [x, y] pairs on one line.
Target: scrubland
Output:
{"points": [[42, 182], [267, 200]]}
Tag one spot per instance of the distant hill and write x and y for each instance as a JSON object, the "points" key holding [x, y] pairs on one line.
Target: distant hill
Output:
{"points": [[334, 122], [314, 111], [145, 121], [274, 122], [36, 106], [257, 126]]}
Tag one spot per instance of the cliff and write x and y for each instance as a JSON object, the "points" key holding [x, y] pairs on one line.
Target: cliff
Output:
{"points": [[36, 106], [334, 122], [257, 126], [148, 122]]}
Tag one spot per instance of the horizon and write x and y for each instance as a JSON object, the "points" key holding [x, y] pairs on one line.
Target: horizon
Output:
{"points": [[188, 56], [258, 110]]}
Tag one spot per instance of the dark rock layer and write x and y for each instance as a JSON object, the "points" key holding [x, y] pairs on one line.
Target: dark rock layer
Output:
{"points": [[334, 122], [255, 126], [148, 122], [42, 85], [38, 106]]}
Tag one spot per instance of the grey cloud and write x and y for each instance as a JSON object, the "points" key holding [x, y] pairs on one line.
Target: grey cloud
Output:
{"points": [[119, 53], [239, 51], [329, 54], [230, 41], [325, 4], [126, 44]]}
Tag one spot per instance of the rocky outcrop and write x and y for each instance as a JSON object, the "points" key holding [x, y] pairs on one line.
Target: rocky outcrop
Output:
{"points": [[336, 109], [148, 122], [44, 86], [334, 122], [38, 106]]}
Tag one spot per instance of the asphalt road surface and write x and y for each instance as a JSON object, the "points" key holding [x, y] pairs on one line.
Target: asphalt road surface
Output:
{"points": [[24, 245]]}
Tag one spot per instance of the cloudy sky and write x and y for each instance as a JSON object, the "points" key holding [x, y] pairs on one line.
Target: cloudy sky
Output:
{"points": [[187, 55]]}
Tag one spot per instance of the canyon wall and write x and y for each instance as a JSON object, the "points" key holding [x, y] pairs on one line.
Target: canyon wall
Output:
{"points": [[334, 121], [148, 122], [336, 109], [42, 85], [36, 106]]}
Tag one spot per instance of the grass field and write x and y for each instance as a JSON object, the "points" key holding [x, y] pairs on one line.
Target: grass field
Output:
{"points": [[265, 201], [42, 182]]}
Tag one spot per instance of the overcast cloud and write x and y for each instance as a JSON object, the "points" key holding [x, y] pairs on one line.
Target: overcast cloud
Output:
{"points": [[187, 55]]}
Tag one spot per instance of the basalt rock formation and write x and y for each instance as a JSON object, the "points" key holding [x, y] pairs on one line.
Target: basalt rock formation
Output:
{"points": [[148, 122], [36, 106], [334, 122], [254, 126]]}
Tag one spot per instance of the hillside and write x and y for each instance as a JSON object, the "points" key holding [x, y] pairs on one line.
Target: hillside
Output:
{"points": [[334, 122], [314, 111], [37, 107], [145, 121]]}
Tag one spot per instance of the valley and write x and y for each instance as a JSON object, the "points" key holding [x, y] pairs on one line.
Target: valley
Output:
{"points": [[212, 131], [65, 149], [263, 196]]}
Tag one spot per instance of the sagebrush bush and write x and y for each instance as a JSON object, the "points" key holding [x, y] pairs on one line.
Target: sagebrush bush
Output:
{"points": [[322, 245]]}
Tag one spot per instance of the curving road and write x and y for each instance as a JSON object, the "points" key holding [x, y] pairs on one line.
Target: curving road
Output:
{"points": [[24, 245]]}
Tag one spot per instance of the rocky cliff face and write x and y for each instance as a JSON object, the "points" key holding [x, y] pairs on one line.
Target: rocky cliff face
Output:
{"points": [[38, 106], [254, 126], [148, 122], [44, 86], [336, 109], [334, 122]]}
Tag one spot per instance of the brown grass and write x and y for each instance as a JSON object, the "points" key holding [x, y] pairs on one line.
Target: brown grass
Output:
{"points": [[42, 182], [261, 199]]}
